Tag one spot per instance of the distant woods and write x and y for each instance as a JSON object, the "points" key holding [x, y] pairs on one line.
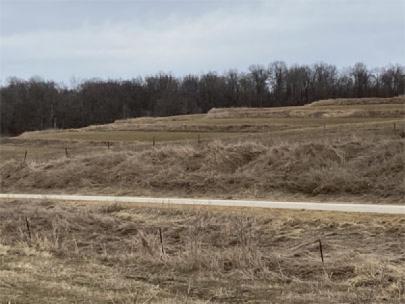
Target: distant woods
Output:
{"points": [[37, 104]]}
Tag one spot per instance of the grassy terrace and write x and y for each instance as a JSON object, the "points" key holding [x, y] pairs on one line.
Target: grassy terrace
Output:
{"points": [[350, 153]]}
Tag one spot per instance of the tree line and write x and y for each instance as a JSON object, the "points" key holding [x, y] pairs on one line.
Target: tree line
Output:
{"points": [[36, 104]]}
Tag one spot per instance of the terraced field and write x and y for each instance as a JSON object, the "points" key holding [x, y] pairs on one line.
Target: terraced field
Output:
{"points": [[347, 150]]}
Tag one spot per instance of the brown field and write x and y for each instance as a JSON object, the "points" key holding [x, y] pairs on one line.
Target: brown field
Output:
{"points": [[322, 151], [356, 101], [108, 253], [350, 150], [217, 123], [340, 150]]}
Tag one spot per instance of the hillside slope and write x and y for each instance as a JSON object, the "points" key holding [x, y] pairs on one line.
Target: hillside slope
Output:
{"points": [[319, 157]]}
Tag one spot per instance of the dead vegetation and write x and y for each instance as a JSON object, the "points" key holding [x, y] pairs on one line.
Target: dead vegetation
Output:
{"points": [[321, 111], [332, 108], [108, 253], [348, 166], [359, 158], [400, 100], [218, 123]]}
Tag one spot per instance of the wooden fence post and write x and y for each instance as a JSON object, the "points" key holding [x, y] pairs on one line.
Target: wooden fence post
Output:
{"points": [[161, 240], [27, 223], [320, 250]]}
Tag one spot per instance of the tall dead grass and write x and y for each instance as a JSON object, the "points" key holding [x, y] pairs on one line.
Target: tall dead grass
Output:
{"points": [[354, 166], [112, 253]]}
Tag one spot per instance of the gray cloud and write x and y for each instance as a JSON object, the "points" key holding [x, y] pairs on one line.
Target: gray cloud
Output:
{"points": [[124, 39]]}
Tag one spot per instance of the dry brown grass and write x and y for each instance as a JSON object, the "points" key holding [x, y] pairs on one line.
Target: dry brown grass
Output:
{"points": [[341, 167], [331, 108], [218, 123], [323, 111], [313, 157], [107, 253], [400, 100]]}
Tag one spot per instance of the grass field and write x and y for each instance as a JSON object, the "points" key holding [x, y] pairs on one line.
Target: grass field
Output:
{"points": [[342, 150], [108, 253], [220, 123], [349, 150]]}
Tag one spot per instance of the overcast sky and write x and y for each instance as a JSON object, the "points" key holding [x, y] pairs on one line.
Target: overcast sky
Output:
{"points": [[60, 40]]}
